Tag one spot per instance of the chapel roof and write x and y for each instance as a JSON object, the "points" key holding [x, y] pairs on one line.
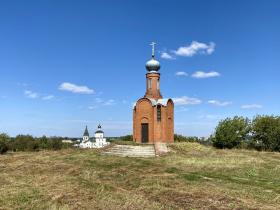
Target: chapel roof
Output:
{"points": [[161, 101], [86, 133]]}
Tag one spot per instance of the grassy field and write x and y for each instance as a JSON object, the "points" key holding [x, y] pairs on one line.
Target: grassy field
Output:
{"points": [[192, 176]]}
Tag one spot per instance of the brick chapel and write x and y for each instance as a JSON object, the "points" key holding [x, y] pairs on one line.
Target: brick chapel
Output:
{"points": [[153, 115]]}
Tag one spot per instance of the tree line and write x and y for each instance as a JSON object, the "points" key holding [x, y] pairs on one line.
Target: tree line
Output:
{"points": [[260, 133], [30, 143]]}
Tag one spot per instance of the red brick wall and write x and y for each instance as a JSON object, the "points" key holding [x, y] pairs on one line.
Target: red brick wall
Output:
{"points": [[143, 114], [153, 92], [170, 121], [159, 131]]}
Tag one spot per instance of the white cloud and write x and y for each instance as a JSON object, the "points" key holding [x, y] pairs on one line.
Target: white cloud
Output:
{"points": [[99, 100], [167, 56], [48, 97], [92, 107], [219, 103], [30, 94], [66, 86], [182, 109], [202, 74], [184, 100], [251, 106], [210, 117], [195, 48], [181, 73], [109, 102]]}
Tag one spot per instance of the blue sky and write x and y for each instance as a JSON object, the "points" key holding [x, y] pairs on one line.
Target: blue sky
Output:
{"points": [[67, 64]]}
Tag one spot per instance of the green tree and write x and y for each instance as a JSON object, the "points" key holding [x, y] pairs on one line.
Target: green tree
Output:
{"points": [[4, 138], [126, 138], [55, 143], [231, 132], [266, 133], [43, 142], [24, 143]]}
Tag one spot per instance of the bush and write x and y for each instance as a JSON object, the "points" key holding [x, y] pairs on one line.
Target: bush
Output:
{"points": [[266, 133], [231, 132], [54, 143], [43, 142], [181, 138], [24, 143], [4, 138], [126, 138], [29, 143], [67, 145]]}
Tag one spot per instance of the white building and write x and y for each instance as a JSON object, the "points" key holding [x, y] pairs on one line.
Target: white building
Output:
{"points": [[98, 141]]}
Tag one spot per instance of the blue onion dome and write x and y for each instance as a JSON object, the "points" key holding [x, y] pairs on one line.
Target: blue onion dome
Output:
{"points": [[152, 65]]}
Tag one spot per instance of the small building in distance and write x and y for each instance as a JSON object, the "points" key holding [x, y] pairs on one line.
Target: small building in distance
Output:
{"points": [[68, 141], [98, 141]]}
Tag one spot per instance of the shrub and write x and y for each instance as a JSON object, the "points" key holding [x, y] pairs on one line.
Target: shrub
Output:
{"points": [[29, 143], [126, 138], [266, 133], [181, 138], [24, 143], [55, 143], [43, 142], [4, 138], [67, 145], [231, 132]]}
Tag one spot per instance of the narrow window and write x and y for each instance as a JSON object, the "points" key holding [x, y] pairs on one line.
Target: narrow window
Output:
{"points": [[158, 113], [158, 84], [149, 83]]}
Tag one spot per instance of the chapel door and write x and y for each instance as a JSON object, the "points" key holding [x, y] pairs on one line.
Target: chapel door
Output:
{"points": [[145, 132]]}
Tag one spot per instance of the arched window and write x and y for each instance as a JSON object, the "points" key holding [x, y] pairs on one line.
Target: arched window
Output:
{"points": [[158, 113], [158, 84]]}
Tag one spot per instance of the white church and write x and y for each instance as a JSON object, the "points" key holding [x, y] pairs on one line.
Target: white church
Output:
{"points": [[98, 141]]}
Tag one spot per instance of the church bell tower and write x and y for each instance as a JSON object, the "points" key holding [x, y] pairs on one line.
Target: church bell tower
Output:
{"points": [[153, 77], [153, 116]]}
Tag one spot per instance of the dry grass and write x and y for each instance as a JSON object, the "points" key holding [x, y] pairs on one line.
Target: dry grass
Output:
{"points": [[190, 177]]}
